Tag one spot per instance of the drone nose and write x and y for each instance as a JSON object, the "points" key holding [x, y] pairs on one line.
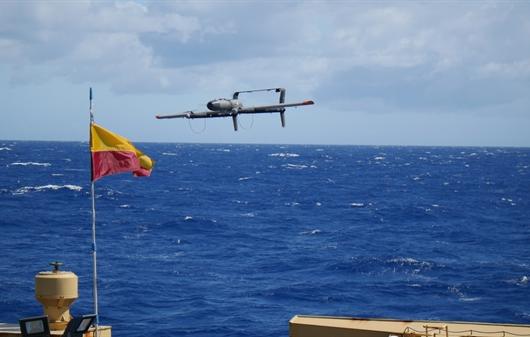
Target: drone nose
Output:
{"points": [[210, 105]]}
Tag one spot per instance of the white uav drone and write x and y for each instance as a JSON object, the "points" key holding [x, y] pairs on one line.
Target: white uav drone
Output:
{"points": [[224, 107]]}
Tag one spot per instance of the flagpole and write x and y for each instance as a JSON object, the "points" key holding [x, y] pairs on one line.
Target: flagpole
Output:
{"points": [[94, 250]]}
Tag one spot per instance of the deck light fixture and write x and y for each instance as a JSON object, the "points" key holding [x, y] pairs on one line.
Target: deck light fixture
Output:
{"points": [[35, 326], [79, 325]]}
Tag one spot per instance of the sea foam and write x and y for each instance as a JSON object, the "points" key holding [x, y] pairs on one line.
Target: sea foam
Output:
{"points": [[27, 189], [295, 166], [284, 154], [30, 163]]}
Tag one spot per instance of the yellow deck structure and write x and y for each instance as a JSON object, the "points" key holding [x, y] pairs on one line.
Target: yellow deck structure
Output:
{"points": [[322, 326], [56, 290]]}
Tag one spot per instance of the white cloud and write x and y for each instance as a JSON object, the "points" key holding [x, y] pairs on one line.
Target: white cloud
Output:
{"points": [[511, 70], [376, 50]]}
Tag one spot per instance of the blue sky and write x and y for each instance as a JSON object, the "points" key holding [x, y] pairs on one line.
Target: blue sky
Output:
{"points": [[381, 73]]}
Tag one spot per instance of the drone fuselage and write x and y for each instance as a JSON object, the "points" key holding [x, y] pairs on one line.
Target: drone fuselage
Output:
{"points": [[224, 105]]}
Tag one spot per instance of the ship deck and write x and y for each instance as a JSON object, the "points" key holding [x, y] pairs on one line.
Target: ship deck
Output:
{"points": [[318, 326]]}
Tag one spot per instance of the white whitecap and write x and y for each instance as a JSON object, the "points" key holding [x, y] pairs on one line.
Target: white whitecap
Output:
{"points": [[244, 178], [379, 158], [5, 149], [27, 189], [404, 260], [284, 154], [125, 206], [357, 204], [57, 174], [469, 299], [318, 203], [311, 232], [248, 215], [294, 203], [30, 163], [169, 154], [295, 166], [188, 217]]}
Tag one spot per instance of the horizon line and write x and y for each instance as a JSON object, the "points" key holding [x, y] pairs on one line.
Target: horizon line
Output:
{"points": [[279, 144]]}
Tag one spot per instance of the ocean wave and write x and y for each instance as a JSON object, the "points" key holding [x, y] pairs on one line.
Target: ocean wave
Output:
{"points": [[523, 281], [27, 189], [284, 155], [5, 149], [379, 158], [409, 261], [248, 215], [295, 166], [169, 154], [469, 299], [462, 297], [244, 178], [311, 232], [357, 204], [30, 163], [509, 201]]}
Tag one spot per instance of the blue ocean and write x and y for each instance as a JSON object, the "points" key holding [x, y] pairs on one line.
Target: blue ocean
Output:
{"points": [[234, 240]]}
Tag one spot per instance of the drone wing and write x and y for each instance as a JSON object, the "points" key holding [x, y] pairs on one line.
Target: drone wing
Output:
{"points": [[273, 108], [186, 114], [201, 114]]}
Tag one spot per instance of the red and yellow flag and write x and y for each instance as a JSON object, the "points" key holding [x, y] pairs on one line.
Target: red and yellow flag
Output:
{"points": [[112, 153]]}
